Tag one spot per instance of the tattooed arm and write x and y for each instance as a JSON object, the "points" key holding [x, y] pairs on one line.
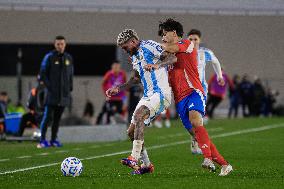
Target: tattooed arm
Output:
{"points": [[134, 79], [165, 60]]}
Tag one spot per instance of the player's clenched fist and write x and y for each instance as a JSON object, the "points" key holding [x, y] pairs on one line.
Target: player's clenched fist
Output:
{"points": [[112, 91]]}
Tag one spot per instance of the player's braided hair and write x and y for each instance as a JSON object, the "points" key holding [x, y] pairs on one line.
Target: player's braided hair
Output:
{"points": [[125, 35]]}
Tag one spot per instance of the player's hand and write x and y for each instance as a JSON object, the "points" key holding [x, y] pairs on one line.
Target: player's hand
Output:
{"points": [[112, 91], [221, 81], [150, 67]]}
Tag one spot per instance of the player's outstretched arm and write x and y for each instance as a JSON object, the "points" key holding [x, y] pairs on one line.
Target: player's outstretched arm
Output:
{"points": [[218, 70], [134, 79]]}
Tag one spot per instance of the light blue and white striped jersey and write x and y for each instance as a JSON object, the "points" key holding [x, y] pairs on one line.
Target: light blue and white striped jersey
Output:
{"points": [[205, 56], [155, 81]]}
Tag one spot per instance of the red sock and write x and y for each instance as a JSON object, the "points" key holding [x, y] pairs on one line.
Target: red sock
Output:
{"points": [[216, 156], [203, 141]]}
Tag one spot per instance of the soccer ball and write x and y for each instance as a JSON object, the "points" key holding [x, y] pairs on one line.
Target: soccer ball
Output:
{"points": [[71, 166]]}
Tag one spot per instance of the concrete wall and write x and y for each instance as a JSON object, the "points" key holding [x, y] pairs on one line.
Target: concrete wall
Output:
{"points": [[243, 44]]}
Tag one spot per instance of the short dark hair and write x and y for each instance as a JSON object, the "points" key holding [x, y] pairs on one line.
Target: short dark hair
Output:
{"points": [[194, 32], [170, 25], [60, 37]]}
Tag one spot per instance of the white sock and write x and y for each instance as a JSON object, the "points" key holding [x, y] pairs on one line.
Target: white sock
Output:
{"points": [[136, 150], [144, 157]]}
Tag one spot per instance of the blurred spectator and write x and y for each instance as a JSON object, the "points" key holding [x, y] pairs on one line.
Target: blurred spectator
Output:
{"points": [[114, 77], [217, 92], [3, 110], [270, 100], [258, 98], [89, 111], [246, 91], [234, 97], [135, 93], [35, 104]]}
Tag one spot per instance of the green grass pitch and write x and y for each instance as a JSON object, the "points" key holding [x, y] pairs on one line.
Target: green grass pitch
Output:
{"points": [[255, 148]]}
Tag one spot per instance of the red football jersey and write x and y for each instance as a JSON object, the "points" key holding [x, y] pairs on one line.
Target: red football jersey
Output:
{"points": [[184, 77]]}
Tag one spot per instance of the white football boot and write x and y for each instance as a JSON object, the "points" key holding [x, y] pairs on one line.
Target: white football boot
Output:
{"points": [[194, 147], [225, 170], [208, 164], [158, 124], [168, 123]]}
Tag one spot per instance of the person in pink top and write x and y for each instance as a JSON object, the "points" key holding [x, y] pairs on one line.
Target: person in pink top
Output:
{"points": [[114, 104], [217, 92]]}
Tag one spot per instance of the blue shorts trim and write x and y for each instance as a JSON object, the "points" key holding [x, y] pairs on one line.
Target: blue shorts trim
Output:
{"points": [[195, 101]]}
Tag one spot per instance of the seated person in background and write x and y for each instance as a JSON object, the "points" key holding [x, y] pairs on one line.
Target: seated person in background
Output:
{"points": [[35, 105], [3, 110], [89, 111]]}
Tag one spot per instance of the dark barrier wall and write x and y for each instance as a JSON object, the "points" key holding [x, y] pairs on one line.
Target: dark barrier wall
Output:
{"points": [[88, 59]]}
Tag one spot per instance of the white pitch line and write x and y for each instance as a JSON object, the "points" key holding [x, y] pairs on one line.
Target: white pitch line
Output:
{"points": [[23, 157], [43, 154], [29, 168], [2, 160], [252, 130], [263, 128]]}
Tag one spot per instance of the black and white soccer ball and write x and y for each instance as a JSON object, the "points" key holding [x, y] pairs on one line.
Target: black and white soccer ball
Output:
{"points": [[71, 166]]}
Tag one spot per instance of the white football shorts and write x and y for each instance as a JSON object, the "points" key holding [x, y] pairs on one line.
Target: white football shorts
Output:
{"points": [[156, 103]]}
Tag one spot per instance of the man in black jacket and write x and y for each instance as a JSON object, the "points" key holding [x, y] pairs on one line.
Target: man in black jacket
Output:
{"points": [[57, 75]]}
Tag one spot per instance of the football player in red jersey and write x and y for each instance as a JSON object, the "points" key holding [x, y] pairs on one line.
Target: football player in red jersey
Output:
{"points": [[188, 91]]}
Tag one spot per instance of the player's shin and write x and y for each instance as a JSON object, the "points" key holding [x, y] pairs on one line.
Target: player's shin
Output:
{"points": [[203, 141], [216, 156], [201, 134], [136, 149], [144, 157], [141, 114]]}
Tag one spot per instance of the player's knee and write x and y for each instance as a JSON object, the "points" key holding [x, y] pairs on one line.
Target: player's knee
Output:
{"points": [[195, 118], [141, 114]]}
